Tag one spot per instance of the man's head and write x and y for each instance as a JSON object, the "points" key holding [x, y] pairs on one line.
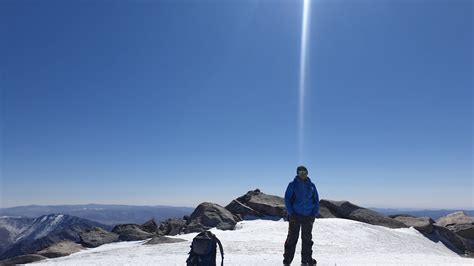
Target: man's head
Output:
{"points": [[302, 172]]}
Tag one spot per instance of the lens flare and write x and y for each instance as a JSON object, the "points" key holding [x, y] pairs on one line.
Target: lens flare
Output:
{"points": [[302, 77]]}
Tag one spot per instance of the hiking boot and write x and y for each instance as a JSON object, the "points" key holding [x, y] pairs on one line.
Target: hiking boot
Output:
{"points": [[286, 263], [310, 262]]}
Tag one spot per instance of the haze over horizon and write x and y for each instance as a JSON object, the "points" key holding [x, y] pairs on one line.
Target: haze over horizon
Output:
{"points": [[176, 103]]}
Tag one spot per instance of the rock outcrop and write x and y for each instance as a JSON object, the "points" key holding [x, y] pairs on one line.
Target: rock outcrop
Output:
{"points": [[422, 224], [436, 233], [60, 249], [96, 236], [451, 240], [208, 215], [347, 210], [131, 232], [459, 223], [324, 212], [172, 227], [257, 204], [150, 226], [22, 259]]}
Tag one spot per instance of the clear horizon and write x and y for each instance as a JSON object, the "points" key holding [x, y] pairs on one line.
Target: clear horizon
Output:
{"points": [[180, 206], [224, 203], [180, 102]]}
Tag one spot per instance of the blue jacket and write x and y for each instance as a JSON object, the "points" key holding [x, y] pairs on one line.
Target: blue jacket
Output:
{"points": [[301, 197]]}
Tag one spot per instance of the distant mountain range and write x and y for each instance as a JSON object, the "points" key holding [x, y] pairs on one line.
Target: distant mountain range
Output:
{"points": [[105, 214], [19, 235], [434, 214]]}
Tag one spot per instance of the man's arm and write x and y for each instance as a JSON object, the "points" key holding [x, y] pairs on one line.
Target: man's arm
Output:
{"points": [[316, 202], [288, 194]]}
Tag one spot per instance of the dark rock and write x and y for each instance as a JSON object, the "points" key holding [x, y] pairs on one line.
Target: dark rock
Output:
{"points": [[451, 240], [163, 240], [171, 227], [60, 249], [347, 210], [422, 224], [324, 212], [96, 236], [208, 215], [23, 259], [464, 230], [186, 217], [459, 223], [241, 210], [150, 226], [131, 232], [257, 204]]}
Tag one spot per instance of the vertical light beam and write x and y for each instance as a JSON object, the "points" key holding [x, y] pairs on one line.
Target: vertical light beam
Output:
{"points": [[304, 44]]}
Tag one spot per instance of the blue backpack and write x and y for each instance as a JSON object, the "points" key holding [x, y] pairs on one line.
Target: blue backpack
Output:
{"points": [[203, 250]]}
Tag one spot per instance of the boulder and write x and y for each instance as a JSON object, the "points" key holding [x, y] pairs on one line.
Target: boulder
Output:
{"points": [[150, 226], [459, 223], [241, 210], [131, 232], [324, 212], [208, 215], [60, 249], [464, 230], [96, 236], [347, 210], [172, 227], [163, 240], [459, 217], [451, 240], [422, 224], [22, 259], [257, 204]]}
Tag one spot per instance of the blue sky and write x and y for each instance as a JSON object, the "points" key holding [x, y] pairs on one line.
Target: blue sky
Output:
{"points": [[179, 102]]}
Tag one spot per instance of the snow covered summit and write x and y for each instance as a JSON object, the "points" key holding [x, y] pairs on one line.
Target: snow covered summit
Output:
{"points": [[260, 242]]}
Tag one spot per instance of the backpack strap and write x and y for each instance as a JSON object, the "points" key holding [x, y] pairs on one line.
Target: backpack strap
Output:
{"points": [[221, 250]]}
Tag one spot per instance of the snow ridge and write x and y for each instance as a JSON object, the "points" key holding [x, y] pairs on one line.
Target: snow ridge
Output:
{"points": [[41, 227], [260, 242]]}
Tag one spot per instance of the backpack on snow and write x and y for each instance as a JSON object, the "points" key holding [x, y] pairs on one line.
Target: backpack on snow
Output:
{"points": [[203, 250]]}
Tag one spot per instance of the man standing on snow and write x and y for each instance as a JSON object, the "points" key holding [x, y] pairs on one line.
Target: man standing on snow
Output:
{"points": [[302, 205]]}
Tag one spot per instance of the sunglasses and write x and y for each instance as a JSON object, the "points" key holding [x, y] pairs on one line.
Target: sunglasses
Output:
{"points": [[302, 172]]}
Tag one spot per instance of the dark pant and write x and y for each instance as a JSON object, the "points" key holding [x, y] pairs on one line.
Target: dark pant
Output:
{"points": [[306, 224]]}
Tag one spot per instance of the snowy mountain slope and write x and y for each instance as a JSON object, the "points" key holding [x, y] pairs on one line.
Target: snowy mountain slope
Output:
{"points": [[42, 226], [15, 225], [260, 242], [26, 235], [11, 228]]}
